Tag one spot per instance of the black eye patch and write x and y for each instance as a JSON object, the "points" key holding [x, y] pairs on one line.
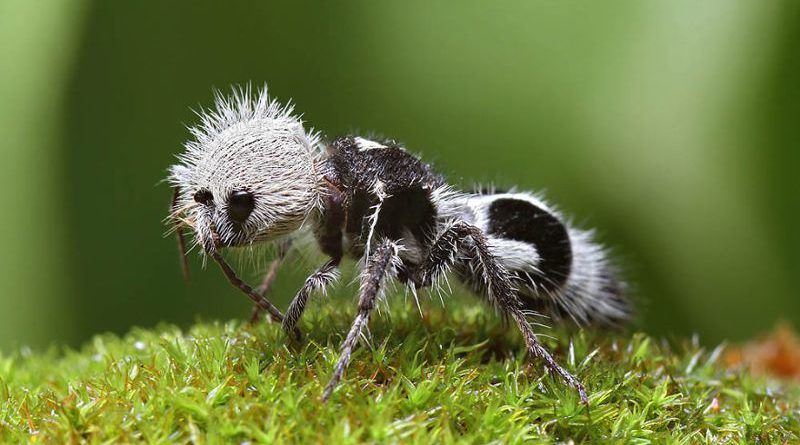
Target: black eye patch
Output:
{"points": [[204, 196], [240, 205]]}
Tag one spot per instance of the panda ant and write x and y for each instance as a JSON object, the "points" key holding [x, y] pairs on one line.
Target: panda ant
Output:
{"points": [[252, 174]]}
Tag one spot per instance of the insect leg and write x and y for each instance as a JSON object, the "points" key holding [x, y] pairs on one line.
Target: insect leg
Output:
{"points": [[251, 293], [442, 253], [382, 263], [174, 214], [324, 276], [269, 277], [498, 284]]}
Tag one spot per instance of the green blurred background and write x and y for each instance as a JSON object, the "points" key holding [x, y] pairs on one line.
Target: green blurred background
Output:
{"points": [[670, 126]]}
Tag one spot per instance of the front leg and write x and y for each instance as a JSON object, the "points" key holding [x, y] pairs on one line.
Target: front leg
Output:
{"points": [[251, 293], [499, 287], [320, 279], [381, 265]]}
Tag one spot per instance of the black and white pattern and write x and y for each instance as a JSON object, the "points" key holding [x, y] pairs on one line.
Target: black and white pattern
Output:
{"points": [[253, 174]]}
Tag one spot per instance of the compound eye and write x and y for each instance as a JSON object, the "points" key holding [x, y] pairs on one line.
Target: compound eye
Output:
{"points": [[240, 205], [204, 196]]}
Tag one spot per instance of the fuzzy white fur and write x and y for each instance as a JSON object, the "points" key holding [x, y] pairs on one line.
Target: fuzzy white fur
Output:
{"points": [[248, 142], [366, 144]]}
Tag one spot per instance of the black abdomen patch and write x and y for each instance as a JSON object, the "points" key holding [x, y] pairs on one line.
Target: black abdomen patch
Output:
{"points": [[521, 220]]}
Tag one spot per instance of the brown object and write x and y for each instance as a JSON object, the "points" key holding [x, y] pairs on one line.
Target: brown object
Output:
{"points": [[777, 354]]}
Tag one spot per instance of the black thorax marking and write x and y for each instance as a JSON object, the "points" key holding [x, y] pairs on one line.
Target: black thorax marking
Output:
{"points": [[406, 184]]}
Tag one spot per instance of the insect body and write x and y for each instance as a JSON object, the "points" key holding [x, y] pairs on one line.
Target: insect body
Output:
{"points": [[253, 174]]}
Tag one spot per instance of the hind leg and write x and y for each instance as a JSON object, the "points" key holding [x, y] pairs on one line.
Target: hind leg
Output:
{"points": [[498, 285]]}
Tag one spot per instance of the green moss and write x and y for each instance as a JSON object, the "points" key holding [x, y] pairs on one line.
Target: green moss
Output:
{"points": [[452, 376]]}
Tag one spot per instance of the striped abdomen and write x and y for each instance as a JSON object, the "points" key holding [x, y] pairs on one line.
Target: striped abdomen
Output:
{"points": [[560, 271]]}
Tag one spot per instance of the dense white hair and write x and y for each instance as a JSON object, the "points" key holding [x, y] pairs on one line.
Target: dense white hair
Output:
{"points": [[249, 142]]}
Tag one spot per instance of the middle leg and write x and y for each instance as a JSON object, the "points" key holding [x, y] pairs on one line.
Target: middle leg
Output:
{"points": [[269, 277], [381, 265], [324, 276]]}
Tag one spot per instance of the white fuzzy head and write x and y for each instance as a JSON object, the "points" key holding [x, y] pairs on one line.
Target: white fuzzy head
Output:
{"points": [[249, 173]]}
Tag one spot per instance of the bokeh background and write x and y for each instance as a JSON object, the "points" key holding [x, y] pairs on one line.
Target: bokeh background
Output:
{"points": [[671, 126]]}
